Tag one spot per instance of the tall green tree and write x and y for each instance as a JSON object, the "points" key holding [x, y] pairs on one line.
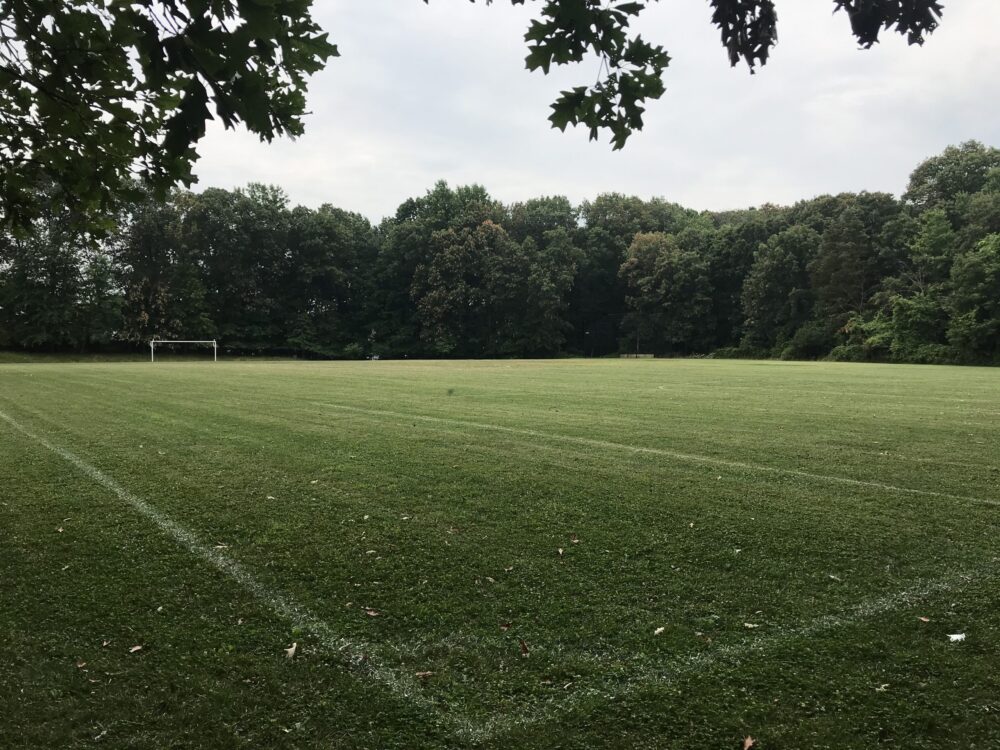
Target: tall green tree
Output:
{"points": [[405, 242], [917, 319], [777, 297], [932, 252], [468, 292], [975, 323], [99, 308], [534, 218], [669, 296], [163, 283], [730, 256], [845, 271], [551, 269], [41, 285], [325, 282], [938, 181]]}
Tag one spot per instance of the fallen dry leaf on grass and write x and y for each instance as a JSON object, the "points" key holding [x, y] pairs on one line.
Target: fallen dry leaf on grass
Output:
{"points": [[524, 648], [134, 649], [924, 619], [560, 549], [574, 538], [372, 612], [956, 637], [424, 675], [751, 625], [659, 631], [748, 742], [504, 626], [290, 651]]}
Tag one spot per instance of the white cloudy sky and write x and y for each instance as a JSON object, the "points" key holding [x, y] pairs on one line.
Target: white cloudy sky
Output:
{"points": [[427, 92]]}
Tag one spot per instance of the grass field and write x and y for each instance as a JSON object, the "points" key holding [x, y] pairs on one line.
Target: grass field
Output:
{"points": [[562, 554]]}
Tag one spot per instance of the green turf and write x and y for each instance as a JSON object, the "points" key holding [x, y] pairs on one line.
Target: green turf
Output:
{"points": [[830, 506]]}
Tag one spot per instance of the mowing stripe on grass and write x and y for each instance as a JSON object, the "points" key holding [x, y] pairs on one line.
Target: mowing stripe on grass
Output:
{"points": [[479, 729], [677, 455], [353, 652]]}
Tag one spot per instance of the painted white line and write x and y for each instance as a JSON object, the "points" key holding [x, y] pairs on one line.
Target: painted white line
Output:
{"points": [[676, 455], [355, 653], [730, 655]]}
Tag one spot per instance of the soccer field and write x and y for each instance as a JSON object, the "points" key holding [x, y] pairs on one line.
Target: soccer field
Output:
{"points": [[542, 554]]}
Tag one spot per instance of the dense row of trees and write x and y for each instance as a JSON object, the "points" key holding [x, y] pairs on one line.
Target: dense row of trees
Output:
{"points": [[456, 273]]}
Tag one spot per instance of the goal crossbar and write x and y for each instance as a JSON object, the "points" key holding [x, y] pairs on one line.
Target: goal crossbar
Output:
{"points": [[154, 342]]}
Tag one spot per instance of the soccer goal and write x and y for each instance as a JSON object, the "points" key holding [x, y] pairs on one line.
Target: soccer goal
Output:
{"points": [[154, 342]]}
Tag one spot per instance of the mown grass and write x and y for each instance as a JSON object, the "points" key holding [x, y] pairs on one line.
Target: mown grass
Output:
{"points": [[439, 496]]}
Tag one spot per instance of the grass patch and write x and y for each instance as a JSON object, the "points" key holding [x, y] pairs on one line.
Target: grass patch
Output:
{"points": [[446, 518]]}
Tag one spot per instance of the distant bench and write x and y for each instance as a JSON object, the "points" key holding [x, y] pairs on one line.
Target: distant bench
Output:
{"points": [[635, 356]]}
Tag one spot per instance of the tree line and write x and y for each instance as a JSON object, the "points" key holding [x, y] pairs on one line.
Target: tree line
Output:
{"points": [[456, 273]]}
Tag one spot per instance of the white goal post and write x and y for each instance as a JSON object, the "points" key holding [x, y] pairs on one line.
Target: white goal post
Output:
{"points": [[154, 342]]}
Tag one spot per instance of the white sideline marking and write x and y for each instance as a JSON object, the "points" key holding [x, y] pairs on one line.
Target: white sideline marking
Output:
{"points": [[732, 654], [689, 457], [354, 652]]}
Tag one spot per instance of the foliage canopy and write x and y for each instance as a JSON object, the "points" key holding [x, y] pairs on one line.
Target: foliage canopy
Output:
{"points": [[96, 93]]}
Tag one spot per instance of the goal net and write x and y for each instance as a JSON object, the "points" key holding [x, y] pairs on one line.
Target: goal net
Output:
{"points": [[153, 343]]}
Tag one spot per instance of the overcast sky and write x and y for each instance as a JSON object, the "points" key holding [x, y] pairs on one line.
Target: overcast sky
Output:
{"points": [[428, 92]]}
